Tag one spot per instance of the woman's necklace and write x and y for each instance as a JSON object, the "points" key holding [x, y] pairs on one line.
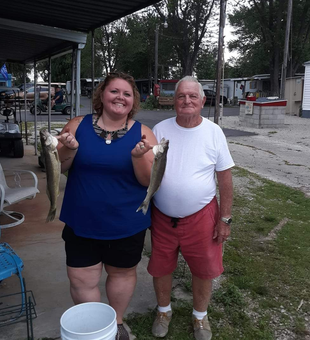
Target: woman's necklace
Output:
{"points": [[112, 134]]}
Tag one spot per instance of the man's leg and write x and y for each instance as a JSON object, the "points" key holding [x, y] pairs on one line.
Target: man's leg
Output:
{"points": [[202, 290], [84, 283], [162, 287]]}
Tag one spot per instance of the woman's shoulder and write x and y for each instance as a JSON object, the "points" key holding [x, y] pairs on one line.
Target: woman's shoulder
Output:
{"points": [[76, 120], [73, 124]]}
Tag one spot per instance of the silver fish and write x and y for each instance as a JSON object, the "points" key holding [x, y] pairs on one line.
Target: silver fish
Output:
{"points": [[52, 167], [157, 173]]}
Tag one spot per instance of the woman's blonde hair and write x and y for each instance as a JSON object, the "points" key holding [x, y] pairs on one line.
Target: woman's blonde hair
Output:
{"points": [[97, 103]]}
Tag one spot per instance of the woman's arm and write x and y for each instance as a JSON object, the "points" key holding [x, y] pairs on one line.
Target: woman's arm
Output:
{"points": [[142, 159], [67, 144]]}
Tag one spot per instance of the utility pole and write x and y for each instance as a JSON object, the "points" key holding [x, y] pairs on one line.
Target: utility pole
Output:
{"points": [[220, 60], [156, 55], [287, 39]]}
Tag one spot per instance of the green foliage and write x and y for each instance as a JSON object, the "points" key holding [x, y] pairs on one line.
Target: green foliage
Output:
{"points": [[187, 26], [150, 103], [61, 69], [260, 34], [17, 71], [206, 64], [229, 295], [264, 281], [86, 59]]}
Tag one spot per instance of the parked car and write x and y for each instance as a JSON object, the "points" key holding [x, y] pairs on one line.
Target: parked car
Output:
{"points": [[12, 92], [210, 97], [30, 93]]}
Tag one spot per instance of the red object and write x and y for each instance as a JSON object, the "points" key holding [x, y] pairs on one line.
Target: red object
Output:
{"points": [[271, 103], [156, 90], [251, 98]]}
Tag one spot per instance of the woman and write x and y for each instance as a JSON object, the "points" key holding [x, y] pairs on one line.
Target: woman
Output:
{"points": [[109, 161]]}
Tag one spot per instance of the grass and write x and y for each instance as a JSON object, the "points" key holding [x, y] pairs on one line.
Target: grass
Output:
{"points": [[264, 281]]}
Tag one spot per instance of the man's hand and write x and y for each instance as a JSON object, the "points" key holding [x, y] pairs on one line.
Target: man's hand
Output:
{"points": [[221, 232]]}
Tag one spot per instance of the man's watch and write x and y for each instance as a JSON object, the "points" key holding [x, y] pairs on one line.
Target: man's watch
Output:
{"points": [[226, 220]]}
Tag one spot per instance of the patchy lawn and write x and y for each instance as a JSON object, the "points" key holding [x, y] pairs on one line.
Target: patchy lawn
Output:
{"points": [[265, 289]]}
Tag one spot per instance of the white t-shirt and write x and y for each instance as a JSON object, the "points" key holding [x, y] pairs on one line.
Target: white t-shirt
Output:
{"points": [[193, 157]]}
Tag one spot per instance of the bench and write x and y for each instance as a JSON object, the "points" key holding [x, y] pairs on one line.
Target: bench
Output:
{"points": [[166, 101]]}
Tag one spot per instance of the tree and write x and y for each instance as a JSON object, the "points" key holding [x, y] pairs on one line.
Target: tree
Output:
{"points": [[136, 55], [205, 66], [187, 24], [17, 71], [260, 27], [86, 67]]}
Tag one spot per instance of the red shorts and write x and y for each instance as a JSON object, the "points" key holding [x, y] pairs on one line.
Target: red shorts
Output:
{"points": [[193, 235]]}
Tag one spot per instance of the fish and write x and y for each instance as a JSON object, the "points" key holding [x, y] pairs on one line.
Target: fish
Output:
{"points": [[53, 170], [157, 173]]}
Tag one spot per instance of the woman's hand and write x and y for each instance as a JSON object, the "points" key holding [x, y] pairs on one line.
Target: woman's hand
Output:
{"points": [[68, 140], [141, 148]]}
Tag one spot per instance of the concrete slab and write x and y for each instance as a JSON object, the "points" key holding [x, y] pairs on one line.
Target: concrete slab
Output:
{"points": [[41, 247], [282, 155]]}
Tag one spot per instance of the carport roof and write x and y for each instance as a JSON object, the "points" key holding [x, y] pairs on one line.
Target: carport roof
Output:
{"points": [[65, 23]]}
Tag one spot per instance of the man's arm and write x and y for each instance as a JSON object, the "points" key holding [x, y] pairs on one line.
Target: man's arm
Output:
{"points": [[224, 179]]}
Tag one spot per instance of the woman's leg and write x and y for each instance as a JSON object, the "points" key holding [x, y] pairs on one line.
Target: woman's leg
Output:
{"points": [[120, 285], [84, 283]]}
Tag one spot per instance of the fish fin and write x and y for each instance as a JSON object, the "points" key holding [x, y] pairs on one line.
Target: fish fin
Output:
{"points": [[144, 206], [51, 215]]}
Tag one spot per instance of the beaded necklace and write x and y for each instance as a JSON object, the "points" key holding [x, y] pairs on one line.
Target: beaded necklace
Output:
{"points": [[105, 133]]}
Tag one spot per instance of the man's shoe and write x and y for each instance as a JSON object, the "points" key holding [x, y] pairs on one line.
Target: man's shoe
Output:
{"points": [[121, 334], [161, 324], [202, 329]]}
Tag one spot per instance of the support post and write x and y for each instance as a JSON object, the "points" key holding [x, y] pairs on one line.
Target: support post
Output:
{"points": [[72, 83], [220, 59], [49, 103], [156, 55], [286, 43]]}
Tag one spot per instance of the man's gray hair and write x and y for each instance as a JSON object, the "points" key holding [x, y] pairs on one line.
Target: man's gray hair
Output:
{"points": [[192, 80]]}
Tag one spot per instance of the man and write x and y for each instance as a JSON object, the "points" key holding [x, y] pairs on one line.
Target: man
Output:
{"points": [[59, 97], [185, 215]]}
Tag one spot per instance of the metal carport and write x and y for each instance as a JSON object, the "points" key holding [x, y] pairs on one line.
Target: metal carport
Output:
{"points": [[33, 30]]}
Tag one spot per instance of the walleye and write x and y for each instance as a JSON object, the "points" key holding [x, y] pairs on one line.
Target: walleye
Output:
{"points": [[157, 173], [52, 167]]}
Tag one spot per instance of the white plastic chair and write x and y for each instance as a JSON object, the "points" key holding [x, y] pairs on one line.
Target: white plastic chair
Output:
{"points": [[11, 195]]}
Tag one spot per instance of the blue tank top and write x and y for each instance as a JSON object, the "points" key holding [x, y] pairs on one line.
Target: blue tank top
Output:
{"points": [[102, 193]]}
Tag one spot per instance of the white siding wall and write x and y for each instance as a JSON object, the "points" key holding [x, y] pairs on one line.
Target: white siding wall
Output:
{"points": [[306, 96]]}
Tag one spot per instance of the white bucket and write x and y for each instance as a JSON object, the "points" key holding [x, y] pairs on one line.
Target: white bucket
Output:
{"points": [[89, 321]]}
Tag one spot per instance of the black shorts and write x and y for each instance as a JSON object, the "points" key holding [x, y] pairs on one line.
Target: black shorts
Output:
{"points": [[85, 252]]}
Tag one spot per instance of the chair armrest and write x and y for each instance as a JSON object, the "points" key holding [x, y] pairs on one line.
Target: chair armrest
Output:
{"points": [[2, 195], [17, 176]]}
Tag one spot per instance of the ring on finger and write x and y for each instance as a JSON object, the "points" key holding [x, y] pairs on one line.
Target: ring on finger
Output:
{"points": [[142, 146]]}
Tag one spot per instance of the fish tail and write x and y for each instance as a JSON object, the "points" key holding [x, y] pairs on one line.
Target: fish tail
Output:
{"points": [[51, 215], [144, 207]]}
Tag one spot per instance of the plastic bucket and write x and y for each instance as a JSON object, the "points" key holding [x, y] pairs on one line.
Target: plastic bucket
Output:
{"points": [[89, 321]]}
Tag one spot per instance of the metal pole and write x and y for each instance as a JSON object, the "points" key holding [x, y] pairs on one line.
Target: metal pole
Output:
{"points": [[72, 83], [220, 59], [92, 69], [49, 117], [222, 106], [35, 108], [78, 79], [287, 39], [25, 103], [156, 55]]}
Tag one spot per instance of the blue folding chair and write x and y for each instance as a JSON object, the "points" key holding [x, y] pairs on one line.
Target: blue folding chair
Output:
{"points": [[11, 264]]}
